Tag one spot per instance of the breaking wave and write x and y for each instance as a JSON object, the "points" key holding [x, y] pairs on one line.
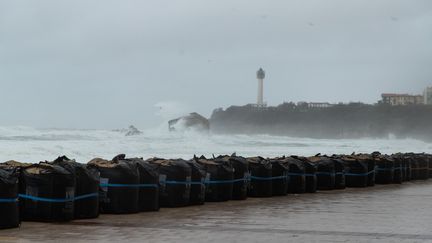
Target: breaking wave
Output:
{"points": [[33, 145]]}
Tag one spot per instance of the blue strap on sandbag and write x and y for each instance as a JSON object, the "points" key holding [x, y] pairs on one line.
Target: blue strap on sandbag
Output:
{"points": [[128, 185], [206, 182], [330, 173], [258, 178], [359, 174], [58, 200], [226, 181], [325, 173], [300, 174], [85, 196], [384, 169], [8, 200], [345, 173], [182, 182]]}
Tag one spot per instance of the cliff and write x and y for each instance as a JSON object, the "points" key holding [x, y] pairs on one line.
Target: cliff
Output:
{"points": [[353, 120]]}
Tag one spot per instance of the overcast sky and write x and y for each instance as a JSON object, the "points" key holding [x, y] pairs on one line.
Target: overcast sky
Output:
{"points": [[108, 64]]}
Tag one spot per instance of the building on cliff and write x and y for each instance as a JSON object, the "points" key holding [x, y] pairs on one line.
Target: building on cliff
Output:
{"points": [[402, 99], [427, 95]]}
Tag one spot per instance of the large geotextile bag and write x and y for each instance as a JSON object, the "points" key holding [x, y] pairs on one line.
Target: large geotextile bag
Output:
{"points": [[369, 161], [198, 174], [119, 186], [398, 172], [241, 175], [16, 166], [371, 164], [298, 175], [326, 174], [339, 173], [9, 208], [356, 171], [174, 181], [47, 193], [261, 174], [404, 166], [280, 171], [148, 182], [423, 170], [310, 174], [86, 200], [429, 156], [415, 166], [311, 180], [409, 167], [384, 169], [219, 179]]}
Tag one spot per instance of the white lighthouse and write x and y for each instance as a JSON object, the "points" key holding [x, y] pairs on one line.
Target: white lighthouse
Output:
{"points": [[260, 77]]}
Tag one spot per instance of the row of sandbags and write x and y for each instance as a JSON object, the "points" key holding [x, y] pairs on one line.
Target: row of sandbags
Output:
{"points": [[63, 189]]}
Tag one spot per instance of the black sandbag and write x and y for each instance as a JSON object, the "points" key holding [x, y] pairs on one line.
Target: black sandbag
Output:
{"points": [[13, 165], [261, 183], [46, 194], [405, 168], [86, 203], [356, 171], [310, 173], [325, 172], [371, 166], [241, 176], [398, 173], [408, 168], [384, 170], [414, 167], [198, 188], [430, 165], [9, 207], [298, 175], [280, 177], [423, 170], [311, 180], [419, 166], [219, 179], [339, 174], [399, 161], [118, 190], [174, 181], [370, 162], [148, 199]]}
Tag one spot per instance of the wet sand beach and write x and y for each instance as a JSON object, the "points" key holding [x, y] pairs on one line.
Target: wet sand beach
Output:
{"points": [[384, 213]]}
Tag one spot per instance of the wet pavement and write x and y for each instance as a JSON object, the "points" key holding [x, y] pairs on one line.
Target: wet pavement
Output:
{"points": [[384, 213]]}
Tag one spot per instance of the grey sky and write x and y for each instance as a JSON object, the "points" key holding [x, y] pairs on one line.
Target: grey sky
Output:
{"points": [[105, 64]]}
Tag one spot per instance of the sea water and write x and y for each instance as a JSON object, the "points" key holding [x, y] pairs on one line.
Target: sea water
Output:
{"points": [[33, 145]]}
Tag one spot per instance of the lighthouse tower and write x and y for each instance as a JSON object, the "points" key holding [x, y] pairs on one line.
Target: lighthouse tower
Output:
{"points": [[260, 77]]}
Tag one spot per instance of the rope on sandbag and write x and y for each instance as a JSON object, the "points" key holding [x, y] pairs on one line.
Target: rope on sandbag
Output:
{"points": [[57, 200]]}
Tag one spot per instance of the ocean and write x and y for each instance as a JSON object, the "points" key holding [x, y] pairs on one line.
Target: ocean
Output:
{"points": [[28, 144]]}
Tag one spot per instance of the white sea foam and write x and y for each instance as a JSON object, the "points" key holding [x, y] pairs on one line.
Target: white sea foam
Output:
{"points": [[33, 145]]}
